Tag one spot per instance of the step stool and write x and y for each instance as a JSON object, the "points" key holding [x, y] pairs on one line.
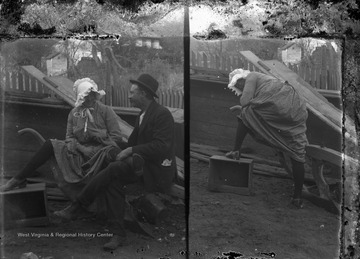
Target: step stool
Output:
{"points": [[229, 175], [26, 206]]}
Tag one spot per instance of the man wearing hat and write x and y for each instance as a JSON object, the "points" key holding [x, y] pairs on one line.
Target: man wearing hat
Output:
{"points": [[153, 139]]}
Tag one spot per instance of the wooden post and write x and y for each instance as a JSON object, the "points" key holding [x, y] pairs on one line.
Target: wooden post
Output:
{"points": [[307, 74], [7, 81], [14, 81], [313, 77], [217, 62], [323, 79], [240, 62], [21, 80], [107, 78], [181, 103], [193, 58], [199, 60], [212, 61], [223, 63], [205, 60], [318, 76], [27, 82], [229, 64]]}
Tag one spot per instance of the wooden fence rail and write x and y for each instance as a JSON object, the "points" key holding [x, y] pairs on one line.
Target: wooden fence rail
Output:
{"points": [[318, 77], [23, 83], [222, 63], [168, 97]]}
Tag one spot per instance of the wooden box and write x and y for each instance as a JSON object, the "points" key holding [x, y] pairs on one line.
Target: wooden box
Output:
{"points": [[229, 175], [26, 206]]}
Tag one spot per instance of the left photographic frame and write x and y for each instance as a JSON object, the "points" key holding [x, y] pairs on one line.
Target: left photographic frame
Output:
{"points": [[39, 105]]}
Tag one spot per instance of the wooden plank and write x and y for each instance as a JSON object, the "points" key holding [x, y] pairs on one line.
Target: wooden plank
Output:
{"points": [[35, 73], [260, 166], [255, 158], [200, 157], [330, 93], [334, 157], [63, 84], [328, 205], [208, 150], [29, 188], [249, 56], [177, 191], [45, 102]]}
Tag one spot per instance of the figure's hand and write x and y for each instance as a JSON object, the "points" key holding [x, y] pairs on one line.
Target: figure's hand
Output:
{"points": [[233, 155], [87, 151], [124, 154], [236, 107]]}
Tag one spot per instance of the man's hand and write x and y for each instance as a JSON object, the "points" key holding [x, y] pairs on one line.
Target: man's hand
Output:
{"points": [[71, 145], [124, 154]]}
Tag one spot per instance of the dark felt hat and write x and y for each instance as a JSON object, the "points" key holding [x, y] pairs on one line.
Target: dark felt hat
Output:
{"points": [[148, 82]]}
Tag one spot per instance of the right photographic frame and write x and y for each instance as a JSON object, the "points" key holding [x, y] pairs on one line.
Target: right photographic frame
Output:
{"points": [[273, 144]]}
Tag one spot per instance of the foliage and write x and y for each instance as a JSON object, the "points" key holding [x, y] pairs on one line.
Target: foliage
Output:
{"points": [[26, 52], [167, 77], [159, 63], [84, 15], [11, 11], [297, 17], [64, 17], [6, 28], [46, 15], [301, 18]]}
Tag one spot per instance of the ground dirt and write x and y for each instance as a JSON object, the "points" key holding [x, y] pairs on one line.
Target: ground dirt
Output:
{"points": [[261, 225], [168, 239]]}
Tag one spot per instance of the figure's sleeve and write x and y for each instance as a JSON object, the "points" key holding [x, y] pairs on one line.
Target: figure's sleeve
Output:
{"points": [[69, 128], [112, 126], [162, 138], [249, 89]]}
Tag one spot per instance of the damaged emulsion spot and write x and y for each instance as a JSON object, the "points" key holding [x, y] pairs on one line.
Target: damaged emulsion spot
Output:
{"points": [[235, 255], [232, 255]]}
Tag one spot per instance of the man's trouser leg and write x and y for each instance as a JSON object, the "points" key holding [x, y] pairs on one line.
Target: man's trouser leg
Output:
{"points": [[109, 183]]}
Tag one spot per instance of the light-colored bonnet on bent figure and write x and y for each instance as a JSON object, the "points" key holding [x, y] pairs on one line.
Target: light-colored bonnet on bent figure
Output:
{"points": [[82, 87], [234, 76]]}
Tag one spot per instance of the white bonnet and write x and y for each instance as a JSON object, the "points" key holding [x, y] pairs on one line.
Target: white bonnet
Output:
{"points": [[234, 76], [82, 87]]}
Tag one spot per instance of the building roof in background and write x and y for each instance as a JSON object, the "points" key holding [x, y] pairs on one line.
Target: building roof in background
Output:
{"points": [[288, 45], [52, 55]]}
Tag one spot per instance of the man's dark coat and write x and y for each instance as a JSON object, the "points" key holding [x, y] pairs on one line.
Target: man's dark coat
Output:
{"points": [[154, 140]]}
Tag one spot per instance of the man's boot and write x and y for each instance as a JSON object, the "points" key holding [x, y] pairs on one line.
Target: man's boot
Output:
{"points": [[114, 243]]}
